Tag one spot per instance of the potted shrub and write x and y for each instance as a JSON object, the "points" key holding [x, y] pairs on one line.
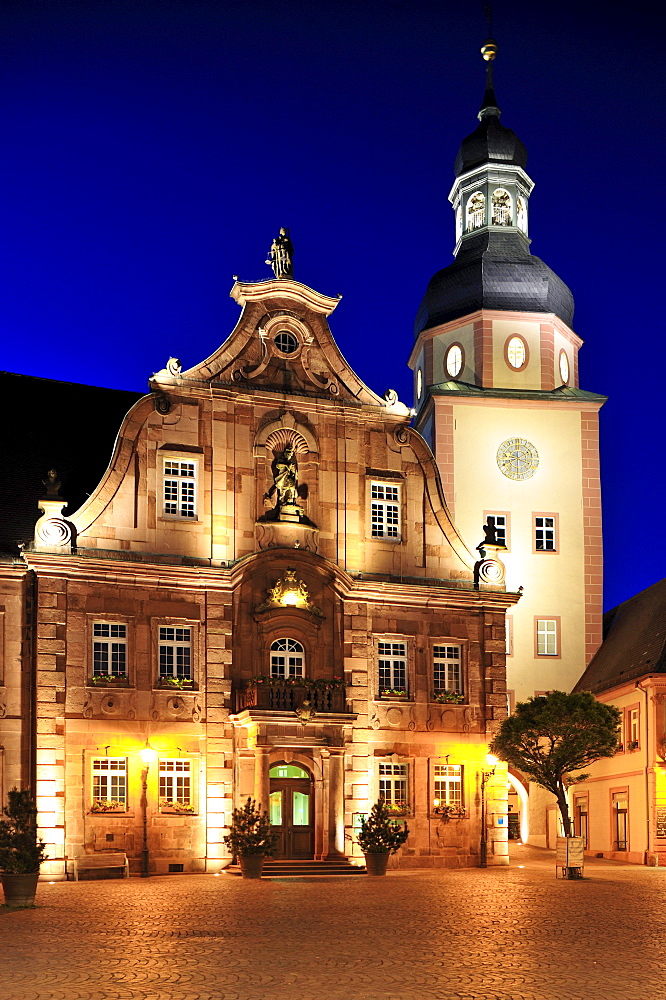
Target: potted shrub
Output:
{"points": [[21, 852], [379, 837], [250, 838]]}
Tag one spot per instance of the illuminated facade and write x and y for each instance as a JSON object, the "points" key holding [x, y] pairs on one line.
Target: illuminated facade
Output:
{"points": [[496, 390], [620, 811], [267, 596]]}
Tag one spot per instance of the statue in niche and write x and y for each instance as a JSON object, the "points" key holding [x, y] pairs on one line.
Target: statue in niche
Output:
{"points": [[285, 486], [281, 255]]}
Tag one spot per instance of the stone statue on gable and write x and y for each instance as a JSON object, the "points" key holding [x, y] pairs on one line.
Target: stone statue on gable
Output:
{"points": [[281, 255]]}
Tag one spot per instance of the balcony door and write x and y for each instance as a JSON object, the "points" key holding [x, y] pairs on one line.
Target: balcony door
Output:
{"points": [[292, 811]]}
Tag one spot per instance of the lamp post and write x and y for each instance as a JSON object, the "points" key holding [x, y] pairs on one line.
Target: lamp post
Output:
{"points": [[486, 774], [148, 756]]}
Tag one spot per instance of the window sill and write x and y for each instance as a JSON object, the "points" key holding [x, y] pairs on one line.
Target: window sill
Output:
{"points": [[178, 517], [109, 812], [177, 812], [161, 685], [394, 697], [108, 683]]}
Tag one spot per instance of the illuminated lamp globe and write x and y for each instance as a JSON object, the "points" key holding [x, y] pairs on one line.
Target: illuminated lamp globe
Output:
{"points": [[491, 760], [148, 754]]}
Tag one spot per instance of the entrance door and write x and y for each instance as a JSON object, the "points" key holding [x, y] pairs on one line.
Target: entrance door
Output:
{"points": [[291, 811]]}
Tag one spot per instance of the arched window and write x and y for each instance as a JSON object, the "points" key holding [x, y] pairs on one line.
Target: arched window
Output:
{"points": [[287, 658], [476, 211], [501, 207], [458, 222], [521, 212]]}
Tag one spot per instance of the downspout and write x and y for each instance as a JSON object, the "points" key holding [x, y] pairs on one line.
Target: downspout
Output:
{"points": [[648, 804], [30, 660]]}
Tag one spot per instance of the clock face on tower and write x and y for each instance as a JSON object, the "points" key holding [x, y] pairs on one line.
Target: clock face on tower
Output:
{"points": [[517, 458]]}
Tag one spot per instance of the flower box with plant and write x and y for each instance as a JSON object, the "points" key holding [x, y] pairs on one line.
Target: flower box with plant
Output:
{"points": [[393, 693], [449, 812], [251, 837], [108, 806], [179, 683], [632, 745], [21, 850], [397, 808], [174, 806], [448, 697], [379, 836], [108, 680]]}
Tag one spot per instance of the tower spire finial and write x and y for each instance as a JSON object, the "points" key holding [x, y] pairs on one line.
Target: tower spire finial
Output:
{"points": [[489, 51]]}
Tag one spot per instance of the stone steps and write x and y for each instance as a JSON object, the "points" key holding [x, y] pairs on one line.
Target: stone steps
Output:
{"points": [[304, 869]]}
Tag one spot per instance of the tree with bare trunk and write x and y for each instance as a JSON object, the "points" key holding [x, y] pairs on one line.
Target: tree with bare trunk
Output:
{"points": [[551, 736]]}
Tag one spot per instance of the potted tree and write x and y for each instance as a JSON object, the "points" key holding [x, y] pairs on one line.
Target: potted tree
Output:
{"points": [[21, 851], [250, 838], [379, 837]]}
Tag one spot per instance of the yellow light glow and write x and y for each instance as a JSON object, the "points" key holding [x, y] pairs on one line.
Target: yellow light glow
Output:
{"points": [[435, 802], [148, 754], [491, 759], [291, 598]]}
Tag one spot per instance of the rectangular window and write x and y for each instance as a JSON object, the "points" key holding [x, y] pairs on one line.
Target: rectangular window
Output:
{"points": [[547, 637], [508, 635], [109, 649], [109, 776], [620, 817], [447, 669], [175, 784], [392, 668], [180, 488], [545, 533], [447, 786], [633, 729], [580, 817], [175, 652], [393, 786], [385, 510], [501, 522]]}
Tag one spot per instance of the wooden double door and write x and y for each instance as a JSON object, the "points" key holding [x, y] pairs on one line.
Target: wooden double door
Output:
{"points": [[292, 811]]}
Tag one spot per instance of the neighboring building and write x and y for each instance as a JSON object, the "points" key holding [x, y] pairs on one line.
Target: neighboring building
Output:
{"points": [[267, 591], [621, 809], [497, 396]]}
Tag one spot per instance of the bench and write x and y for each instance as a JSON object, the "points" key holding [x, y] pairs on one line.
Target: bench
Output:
{"points": [[93, 862]]}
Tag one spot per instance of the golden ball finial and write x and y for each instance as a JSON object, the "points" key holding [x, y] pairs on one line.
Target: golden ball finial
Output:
{"points": [[489, 50]]}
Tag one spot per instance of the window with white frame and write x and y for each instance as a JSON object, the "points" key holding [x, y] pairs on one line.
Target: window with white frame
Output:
{"points": [[633, 730], [392, 663], [180, 488], [109, 649], [175, 784], [385, 510], [109, 780], [447, 668], [175, 652], [546, 637], [545, 533], [287, 658], [508, 635], [393, 785], [447, 786]]}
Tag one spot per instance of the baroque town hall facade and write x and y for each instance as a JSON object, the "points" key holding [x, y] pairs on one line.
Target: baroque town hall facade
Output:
{"points": [[266, 592]]}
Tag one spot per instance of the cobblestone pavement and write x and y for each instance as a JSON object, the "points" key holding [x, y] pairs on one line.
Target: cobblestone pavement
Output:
{"points": [[501, 934]]}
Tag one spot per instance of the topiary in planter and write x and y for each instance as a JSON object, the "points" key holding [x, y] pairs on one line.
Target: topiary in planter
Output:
{"points": [[380, 835], [250, 836], [21, 852]]}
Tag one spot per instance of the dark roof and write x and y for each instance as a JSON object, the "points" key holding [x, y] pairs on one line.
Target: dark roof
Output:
{"points": [[53, 425], [634, 642], [562, 393], [490, 142], [494, 270]]}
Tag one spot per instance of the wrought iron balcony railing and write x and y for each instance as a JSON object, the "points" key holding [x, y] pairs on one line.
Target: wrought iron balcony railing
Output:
{"points": [[277, 696]]}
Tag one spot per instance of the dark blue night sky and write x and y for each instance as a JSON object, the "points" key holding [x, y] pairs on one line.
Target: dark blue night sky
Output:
{"points": [[152, 150]]}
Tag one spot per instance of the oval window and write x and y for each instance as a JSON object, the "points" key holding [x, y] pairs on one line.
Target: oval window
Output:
{"points": [[286, 342], [454, 361], [516, 352], [419, 383], [564, 367]]}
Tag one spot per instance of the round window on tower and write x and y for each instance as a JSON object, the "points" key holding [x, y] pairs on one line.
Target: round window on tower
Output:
{"points": [[516, 353], [286, 342], [564, 367], [453, 363], [419, 383]]}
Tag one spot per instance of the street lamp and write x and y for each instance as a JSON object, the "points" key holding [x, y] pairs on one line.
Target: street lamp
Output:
{"points": [[486, 774], [148, 756]]}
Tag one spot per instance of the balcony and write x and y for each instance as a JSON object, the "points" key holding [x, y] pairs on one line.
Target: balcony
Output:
{"points": [[273, 695]]}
